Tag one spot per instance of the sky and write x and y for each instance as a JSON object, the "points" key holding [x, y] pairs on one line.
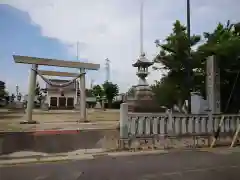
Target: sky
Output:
{"points": [[103, 28]]}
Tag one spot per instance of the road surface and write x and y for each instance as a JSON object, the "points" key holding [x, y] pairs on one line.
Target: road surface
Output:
{"points": [[185, 165]]}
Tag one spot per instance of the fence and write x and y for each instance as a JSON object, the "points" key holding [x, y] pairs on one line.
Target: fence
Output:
{"points": [[152, 124]]}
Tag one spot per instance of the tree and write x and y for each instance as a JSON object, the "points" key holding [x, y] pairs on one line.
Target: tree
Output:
{"points": [[98, 91], [12, 97], [3, 91], [89, 93], [175, 61], [110, 90], [38, 92], [164, 93], [224, 43]]}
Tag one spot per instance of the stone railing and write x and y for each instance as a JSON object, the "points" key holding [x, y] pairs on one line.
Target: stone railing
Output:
{"points": [[134, 125]]}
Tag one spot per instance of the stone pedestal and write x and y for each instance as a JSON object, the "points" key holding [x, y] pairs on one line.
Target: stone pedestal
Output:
{"points": [[148, 106], [144, 101]]}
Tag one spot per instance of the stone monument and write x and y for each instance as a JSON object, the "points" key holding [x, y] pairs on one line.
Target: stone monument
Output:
{"points": [[213, 85], [143, 100]]}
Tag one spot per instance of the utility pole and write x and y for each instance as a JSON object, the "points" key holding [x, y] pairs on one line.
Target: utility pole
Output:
{"points": [[188, 62], [77, 83], [107, 65], [141, 28], [188, 21]]}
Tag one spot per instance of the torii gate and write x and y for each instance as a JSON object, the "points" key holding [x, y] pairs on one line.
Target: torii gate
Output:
{"points": [[58, 63]]}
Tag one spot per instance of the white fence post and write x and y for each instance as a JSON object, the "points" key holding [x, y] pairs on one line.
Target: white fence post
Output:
{"points": [[170, 122], [124, 120]]}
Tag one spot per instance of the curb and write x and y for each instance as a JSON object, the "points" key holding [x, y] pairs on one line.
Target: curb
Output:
{"points": [[58, 131], [136, 153], [22, 161], [88, 156], [14, 162]]}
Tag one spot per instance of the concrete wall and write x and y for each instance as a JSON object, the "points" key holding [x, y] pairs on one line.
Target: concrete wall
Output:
{"points": [[58, 141]]}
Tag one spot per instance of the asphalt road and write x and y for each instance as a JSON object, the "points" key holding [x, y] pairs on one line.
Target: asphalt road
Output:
{"points": [[187, 165]]}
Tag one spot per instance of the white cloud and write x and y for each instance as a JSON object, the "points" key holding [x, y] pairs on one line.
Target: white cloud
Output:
{"points": [[110, 28]]}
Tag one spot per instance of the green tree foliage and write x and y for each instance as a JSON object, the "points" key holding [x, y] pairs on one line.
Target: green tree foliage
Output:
{"points": [[3, 92], [2, 89], [224, 43], [98, 91], [165, 93], [110, 90], [89, 93], [174, 60], [38, 92], [12, 97]]}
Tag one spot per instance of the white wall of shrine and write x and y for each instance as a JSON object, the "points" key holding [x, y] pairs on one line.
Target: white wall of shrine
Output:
{"points": [[70, 94]]}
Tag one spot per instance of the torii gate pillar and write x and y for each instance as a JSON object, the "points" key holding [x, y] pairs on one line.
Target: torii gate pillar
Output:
{"points": [[31, 92], [83, 110]]}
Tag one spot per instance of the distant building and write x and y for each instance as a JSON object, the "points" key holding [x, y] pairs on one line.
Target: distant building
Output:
{"points": [[62, 98], [67, 97], [120, 97]]}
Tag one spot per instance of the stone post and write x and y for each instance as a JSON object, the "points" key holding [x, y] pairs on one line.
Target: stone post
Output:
{"points": [[124, 121], [170, 121], [213, 85], [83, 97], [31, 91]]}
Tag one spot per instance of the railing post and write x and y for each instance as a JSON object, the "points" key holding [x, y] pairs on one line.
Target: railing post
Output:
{"points": [[170, 122], [124, 121]]}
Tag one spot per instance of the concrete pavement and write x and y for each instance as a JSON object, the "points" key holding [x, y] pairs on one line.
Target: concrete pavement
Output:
{"points": [[187, 165]]}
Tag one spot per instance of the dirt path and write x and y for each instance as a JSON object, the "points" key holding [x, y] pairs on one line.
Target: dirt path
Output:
{"points": [[10, 121]]}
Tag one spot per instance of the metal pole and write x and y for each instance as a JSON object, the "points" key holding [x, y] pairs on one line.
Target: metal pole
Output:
{"points": [[107, 70], [188, 64], [188, 21], [31, 91], [141, 28]]}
